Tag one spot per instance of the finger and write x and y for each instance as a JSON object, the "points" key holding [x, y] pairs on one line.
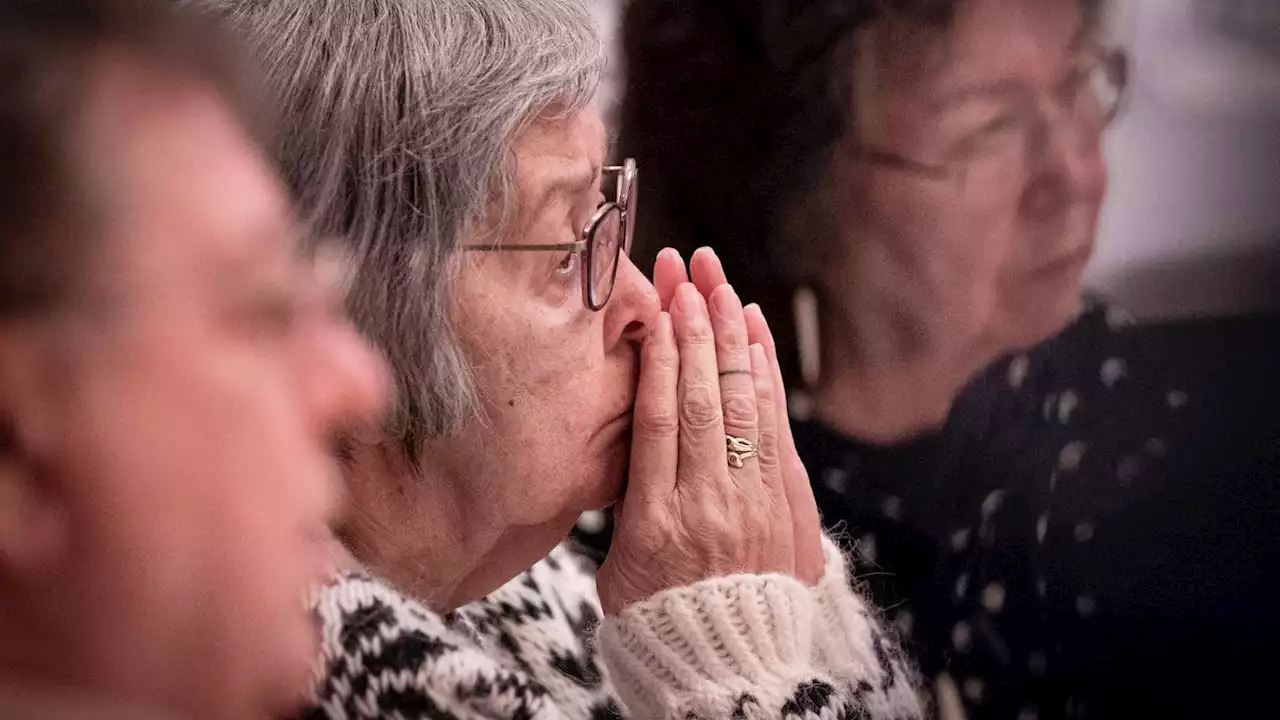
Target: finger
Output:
{"points": [[806, 521], [758, 332], [668, 273], [702, 443], [706, 271], [655, 428], [767, 409], [779, 511], [737, 391], [810, 559]]}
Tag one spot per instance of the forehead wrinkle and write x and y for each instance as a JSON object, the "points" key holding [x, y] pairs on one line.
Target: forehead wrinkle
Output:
{"points": [[565, 181]]}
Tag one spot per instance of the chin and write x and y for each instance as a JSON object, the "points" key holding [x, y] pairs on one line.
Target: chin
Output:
{"points": [[1047, 319], [608, 492]]}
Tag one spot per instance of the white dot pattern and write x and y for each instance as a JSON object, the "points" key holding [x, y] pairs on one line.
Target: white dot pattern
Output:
{"points": [[978, 631], [1086, 606], [973, 689], [1113, 370], [962, 636], [1084, 531], [892, 507], [1071, 455], [1067, 404], [993, 598], [835, 479], [1018, 369], [1038, 663]]}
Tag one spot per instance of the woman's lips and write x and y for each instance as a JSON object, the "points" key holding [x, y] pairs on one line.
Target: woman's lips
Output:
{"points": [[1063, 264]]}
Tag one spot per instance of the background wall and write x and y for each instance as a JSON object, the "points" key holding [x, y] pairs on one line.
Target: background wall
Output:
{"points": [[1192, 224]]}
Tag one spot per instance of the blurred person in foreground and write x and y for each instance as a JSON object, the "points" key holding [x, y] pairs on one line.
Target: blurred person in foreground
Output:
{"points": [[453, 148], [171, 372], [1063, 512]]}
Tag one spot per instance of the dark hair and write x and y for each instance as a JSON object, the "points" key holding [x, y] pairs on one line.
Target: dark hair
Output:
{"points": [[733, 109], [48, 49]]}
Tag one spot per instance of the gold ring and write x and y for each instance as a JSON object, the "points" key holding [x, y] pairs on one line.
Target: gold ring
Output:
{"points": [[739, 449]]}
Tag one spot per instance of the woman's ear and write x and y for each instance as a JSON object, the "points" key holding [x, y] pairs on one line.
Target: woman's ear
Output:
{"points": [[34, 525]]}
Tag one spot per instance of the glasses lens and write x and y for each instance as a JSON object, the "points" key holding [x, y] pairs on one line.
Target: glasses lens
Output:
{"points": [[606, 243]]}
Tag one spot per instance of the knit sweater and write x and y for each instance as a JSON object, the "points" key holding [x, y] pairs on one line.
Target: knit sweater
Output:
{"points": [[745, 646]]}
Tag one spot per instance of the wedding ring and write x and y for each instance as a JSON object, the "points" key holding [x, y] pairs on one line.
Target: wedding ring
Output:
{"points": [[739, 449]]}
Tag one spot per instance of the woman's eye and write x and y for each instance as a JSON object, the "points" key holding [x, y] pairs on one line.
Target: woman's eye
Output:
{"points": [[990, 137], [568, 264]]}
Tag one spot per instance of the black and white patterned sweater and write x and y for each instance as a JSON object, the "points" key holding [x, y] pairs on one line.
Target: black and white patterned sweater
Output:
{"points": [[749, 646]]}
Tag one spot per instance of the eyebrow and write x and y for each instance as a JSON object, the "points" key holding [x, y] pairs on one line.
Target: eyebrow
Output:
{"points": [[1000, 88], [256, 258], [567, 185]]}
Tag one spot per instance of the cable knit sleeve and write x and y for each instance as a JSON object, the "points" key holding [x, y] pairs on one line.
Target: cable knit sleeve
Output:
{"points": [[756, 646], [753, 647]]}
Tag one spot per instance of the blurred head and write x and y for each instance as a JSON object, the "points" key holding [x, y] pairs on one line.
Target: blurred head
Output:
{"points": [[932, 168], [415, 131], [170, 375]]}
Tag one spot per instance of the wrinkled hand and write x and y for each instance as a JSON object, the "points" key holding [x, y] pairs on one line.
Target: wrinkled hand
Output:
{"points": [[708, 369]]}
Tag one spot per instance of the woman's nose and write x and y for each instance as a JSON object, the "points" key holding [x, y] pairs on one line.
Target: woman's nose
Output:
{"points": [[633, 308], [352, 383]]}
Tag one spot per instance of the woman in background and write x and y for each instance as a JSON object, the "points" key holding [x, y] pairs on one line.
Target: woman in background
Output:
{"points": [[1058, 517], [171, 373]]}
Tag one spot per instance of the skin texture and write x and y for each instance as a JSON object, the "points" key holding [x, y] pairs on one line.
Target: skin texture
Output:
{"points": [[933, 277], [167, 493], [557, 381], [709, 368], [560, 384]]}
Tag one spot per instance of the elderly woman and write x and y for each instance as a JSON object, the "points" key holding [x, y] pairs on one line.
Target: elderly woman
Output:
{"points": [[452, 147], [917, 184], [155, 313]]}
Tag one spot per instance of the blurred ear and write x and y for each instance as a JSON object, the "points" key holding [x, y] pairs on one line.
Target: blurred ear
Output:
{"points": [[33, 520]]}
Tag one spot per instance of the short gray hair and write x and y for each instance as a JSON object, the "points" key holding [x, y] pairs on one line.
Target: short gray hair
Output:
{"points": [[399, 118]]}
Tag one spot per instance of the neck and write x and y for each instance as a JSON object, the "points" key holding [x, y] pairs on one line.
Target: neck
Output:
{"points": [[887, 381], [421, 530], [442, 533]]}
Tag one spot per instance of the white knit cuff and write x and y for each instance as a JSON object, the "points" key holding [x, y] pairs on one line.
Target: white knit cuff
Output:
{"points": [[699, 650], [849, 644], [842, 621]]}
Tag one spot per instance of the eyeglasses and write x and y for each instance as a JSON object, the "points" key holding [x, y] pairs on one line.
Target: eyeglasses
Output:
{"points": [[605, 238], [1006, 144]]}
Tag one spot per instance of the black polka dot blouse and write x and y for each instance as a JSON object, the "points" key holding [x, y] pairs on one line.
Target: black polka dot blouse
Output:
{"points": [[1094, 532]]}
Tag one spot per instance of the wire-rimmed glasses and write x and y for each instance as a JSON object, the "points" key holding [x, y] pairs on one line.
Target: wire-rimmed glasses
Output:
{"points": [[1090, 97], [605, 237]]}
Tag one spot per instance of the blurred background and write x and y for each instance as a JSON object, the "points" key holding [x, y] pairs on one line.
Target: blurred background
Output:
{"points": [[1192, 221]]}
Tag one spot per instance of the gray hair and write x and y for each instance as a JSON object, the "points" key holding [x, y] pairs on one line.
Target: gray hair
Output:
{"points": [[398, 123]]}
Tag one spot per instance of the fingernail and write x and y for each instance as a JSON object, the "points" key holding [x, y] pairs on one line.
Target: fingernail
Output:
{"points": [[674, 254], [753, 308], [726, 302], [688, 300]]}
